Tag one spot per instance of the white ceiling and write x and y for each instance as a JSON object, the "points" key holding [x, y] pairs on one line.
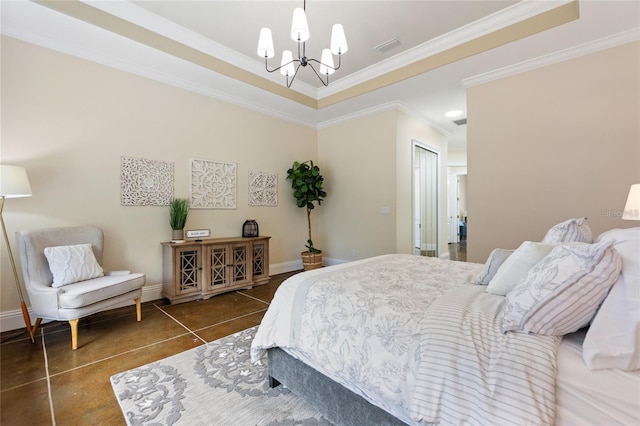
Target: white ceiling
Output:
{"points": [[229, 30]]}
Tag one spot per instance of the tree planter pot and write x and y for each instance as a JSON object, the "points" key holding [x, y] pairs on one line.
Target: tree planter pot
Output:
{"points": [[311, 260]]}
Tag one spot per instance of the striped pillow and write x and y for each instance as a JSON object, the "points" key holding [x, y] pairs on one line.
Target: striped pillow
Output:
{"points": [[496, 259], [562, 292], [570, 231]]}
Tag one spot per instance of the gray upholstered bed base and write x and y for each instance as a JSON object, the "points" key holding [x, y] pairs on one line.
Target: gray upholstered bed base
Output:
{"points": [[338, 404]]}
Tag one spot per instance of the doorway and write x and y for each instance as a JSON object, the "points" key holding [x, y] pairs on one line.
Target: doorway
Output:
{"points": [[425, 200], [457, 204]]}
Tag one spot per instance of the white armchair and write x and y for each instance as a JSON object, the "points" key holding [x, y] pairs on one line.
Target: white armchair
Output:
{"points": [[76, 300]]}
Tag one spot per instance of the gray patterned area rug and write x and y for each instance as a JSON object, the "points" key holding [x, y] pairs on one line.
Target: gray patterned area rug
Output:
{"points": [[213, 384]]}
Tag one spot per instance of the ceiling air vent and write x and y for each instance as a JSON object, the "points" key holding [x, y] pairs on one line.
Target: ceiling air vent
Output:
{"points": [[386, 46], [460, 122]]}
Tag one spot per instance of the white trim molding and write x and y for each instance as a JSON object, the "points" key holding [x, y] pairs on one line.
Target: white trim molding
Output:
{"points": [[554, 58]]}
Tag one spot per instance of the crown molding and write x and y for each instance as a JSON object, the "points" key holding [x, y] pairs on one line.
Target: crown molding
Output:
{"points": [[556, 57], [486, 25], [38, 32], [131, 12], [377, 109]]}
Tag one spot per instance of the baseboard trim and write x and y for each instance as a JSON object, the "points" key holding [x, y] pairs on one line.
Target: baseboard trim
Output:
{"points": [[284, 267], [12, 320]]}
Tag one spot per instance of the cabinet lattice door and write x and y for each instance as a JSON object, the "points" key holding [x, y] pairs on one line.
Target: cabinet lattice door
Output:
{"points": [[240, 266], [188, 279], [260, 260], [218, 266], [227, 265]]}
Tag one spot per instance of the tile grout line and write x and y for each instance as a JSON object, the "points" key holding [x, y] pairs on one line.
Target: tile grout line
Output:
{"points": [[149, 345], [229, 320], [254, 298], [117, 355], [48, 376], [189, 331], [184, 326]]}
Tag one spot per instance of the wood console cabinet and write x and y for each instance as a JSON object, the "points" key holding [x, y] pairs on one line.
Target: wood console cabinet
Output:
{"points": [[201, 269]]}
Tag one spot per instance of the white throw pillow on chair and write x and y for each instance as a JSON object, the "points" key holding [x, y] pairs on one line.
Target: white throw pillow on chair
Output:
{"points": [[70, 264]]}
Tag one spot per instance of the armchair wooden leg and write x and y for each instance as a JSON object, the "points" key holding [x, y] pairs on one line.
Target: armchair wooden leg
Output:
{"points": [[34, 329], [138, 309], [74, 333]]}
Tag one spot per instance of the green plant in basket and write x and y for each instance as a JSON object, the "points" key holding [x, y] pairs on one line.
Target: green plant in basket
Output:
{"points": [[306, 182]]}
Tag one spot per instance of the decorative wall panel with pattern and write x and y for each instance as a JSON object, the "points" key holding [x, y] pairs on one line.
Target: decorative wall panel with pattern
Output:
{"points": [[263, 189], [145, 182], [212, 184]]}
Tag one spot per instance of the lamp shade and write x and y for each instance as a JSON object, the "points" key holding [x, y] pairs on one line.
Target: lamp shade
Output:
{"points": [[338, 40], [326, 63], [632, 207], [14, 182], [287, 64], [265, 44], [299, 26]]}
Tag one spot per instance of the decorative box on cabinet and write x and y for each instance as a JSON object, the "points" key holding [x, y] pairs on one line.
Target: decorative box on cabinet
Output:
{"points": [[199, 270]]}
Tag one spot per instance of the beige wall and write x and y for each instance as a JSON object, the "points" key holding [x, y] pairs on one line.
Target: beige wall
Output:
{"points": [[457, 158], [554, 143], [367, 164], [357, 160], [68, 122], [410, 130]]}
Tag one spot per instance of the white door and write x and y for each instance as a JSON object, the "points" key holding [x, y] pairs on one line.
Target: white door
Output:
{"points": [[425, 200]]}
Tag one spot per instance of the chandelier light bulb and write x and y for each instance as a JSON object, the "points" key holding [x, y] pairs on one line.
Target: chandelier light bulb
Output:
{"points": [[338, 40], [287, 68], [265, 44], [326, 62], [299, 26]]}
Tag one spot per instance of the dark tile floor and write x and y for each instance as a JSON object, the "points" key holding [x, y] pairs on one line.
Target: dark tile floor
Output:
{"points": [[47, 383], [458, 251]]}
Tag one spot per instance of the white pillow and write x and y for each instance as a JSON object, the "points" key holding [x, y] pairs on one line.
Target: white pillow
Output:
{"points": [[70, 264], [493, 263], [562, 292], [517, 265], [613, 338], [570, 231]]}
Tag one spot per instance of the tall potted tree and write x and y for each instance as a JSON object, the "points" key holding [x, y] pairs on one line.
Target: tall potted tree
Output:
{"points": [[178, 212], [306, 182]]}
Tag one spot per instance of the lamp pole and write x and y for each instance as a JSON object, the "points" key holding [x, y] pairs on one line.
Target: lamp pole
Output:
{"points": [[23, 305], [14, 183]]}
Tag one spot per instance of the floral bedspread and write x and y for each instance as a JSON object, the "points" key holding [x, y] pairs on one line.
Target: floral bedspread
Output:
{"points": [[369, 326]]}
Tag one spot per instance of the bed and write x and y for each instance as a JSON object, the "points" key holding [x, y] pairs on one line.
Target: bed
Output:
{"points": [[402, 339]]}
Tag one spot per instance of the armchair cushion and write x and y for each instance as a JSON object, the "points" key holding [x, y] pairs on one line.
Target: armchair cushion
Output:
{"points": [[72, 263], [85, 293]]}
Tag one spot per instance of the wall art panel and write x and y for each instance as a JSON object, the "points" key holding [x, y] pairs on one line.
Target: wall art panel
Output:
{"points": [[145, 182], [263, 189], [212, 184]]}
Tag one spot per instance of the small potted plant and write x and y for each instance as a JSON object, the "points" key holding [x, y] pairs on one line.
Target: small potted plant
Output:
{"points": [[306, 182], [178, 212]]}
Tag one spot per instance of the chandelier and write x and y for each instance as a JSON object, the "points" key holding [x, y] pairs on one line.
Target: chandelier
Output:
{"points": [[289, 67]]}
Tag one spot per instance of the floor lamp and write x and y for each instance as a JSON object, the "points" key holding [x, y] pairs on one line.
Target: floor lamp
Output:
{"points": [[632, 207], [14, 184]]}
